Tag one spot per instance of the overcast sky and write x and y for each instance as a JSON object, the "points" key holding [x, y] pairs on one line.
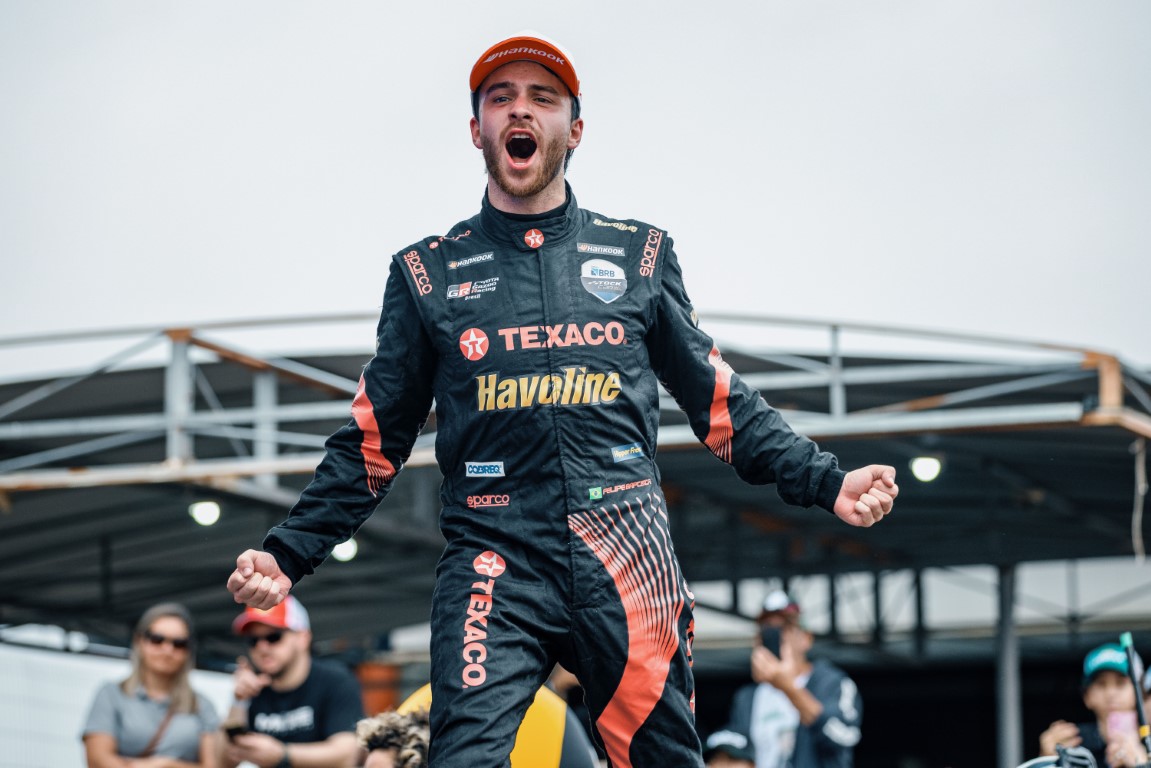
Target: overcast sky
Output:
{"points": [[977, 166]]}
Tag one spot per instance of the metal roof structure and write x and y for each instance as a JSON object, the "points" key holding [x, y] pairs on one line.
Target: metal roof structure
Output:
{"points": [[1039, 443]]}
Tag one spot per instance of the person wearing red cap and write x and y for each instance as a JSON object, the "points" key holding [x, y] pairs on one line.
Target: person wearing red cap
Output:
{"points": [[291, 709], [542, 331]]}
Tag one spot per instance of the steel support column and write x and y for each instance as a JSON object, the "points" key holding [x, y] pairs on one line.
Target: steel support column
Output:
{"points": [[264, 400], [1007, 689], [178, 392]]}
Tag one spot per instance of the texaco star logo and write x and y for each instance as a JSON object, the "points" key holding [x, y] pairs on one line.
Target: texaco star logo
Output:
{"points": [[474, 344], [534, 238], [489, 564]]}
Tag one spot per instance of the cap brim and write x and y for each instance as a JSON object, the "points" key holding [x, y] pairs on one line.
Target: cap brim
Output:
{"points": [[243, 621]]}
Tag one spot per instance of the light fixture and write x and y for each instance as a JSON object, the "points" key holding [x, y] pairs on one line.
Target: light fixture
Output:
{"points": [[345, 551], [204, 512], [926, 468]]}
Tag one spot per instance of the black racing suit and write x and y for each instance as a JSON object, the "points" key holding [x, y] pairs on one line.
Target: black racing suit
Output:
{"points": [[542, 339]]}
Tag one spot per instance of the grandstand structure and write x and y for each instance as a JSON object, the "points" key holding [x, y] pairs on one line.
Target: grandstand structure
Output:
{"points": [[1041, 445]]}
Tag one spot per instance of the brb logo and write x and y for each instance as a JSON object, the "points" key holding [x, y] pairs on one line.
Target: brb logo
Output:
{"points": [[480, 603]]}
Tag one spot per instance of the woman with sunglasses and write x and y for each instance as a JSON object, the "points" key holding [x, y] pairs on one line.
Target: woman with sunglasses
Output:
{"points": [[153, 718]]}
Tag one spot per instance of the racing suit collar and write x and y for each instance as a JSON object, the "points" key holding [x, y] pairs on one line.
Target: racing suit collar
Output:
{"points": [[517, 230]]}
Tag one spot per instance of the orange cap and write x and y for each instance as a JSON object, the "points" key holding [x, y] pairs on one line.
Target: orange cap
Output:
{"points": [[289, 614], [526, 47]]}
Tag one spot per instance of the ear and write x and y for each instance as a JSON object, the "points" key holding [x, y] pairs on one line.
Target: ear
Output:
{"points": [[476, 141], [575, 134]]}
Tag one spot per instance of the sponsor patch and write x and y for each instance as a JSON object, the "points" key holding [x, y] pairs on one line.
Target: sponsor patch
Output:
{"points": [[479, 607], [474, 343], [479, 258], [626, 452], [590, 334], [534, 238], [575, 386], [616, 224], [650, 252], [595, 494], [601, 250], [488, 500], [484, 468], [419, 273], [603, 279], [474, 289]]}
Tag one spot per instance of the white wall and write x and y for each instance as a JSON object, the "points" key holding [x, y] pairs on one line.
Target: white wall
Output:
{"points": [[44, 699]]}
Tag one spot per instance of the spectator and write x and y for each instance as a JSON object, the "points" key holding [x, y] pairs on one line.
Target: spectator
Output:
{"points": [[798, 713], [1110, 695], [299, 712], [549, 736], [728, 749], [395, 739], [154, 718]]}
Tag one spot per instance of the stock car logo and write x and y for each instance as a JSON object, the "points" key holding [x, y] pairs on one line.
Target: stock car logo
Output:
{"points": [[474, 343], [603, 279]]}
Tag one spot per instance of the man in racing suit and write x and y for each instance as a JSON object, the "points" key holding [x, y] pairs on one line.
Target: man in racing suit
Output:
{"points": [[542, 331]]}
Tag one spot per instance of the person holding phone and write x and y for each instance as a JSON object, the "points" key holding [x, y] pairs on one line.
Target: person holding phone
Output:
{"points": [[799, 713], [1113, 737], [291, 711]]}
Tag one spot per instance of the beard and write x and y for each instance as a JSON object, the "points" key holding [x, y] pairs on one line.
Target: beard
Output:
{"points": [[554, 153]]}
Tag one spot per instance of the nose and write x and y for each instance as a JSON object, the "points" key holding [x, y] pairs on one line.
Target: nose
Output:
{"points": [[521, 108]]}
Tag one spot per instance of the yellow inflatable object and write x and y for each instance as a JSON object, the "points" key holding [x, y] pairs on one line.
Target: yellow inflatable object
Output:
{"points": [[539, 742]]}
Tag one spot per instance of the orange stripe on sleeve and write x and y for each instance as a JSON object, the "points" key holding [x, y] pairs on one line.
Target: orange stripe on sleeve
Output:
{"points": [[379, 470]]}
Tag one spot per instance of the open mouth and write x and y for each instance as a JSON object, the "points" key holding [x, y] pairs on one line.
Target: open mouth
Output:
{"points": [[520, 147]]}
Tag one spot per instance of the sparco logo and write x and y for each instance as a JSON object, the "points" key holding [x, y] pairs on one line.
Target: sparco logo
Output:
{"points": [[475, 653], [575, 387], [617, 224], [419, 274], [484, 468], [650, 252], [489, 500], [564, 335]]}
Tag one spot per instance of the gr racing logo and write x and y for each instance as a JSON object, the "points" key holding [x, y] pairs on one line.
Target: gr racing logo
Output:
{"points": [[480, 603]]}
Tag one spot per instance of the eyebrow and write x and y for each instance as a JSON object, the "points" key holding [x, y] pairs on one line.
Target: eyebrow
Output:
{"points": [[535, 88]]}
